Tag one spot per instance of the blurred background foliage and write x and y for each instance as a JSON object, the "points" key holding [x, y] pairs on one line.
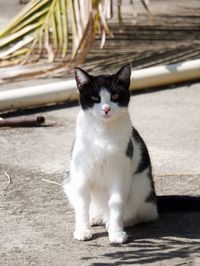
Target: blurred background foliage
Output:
{"points": [[52, 29]]}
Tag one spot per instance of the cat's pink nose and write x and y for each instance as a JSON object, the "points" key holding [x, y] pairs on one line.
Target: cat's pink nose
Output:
{"points": [[106, 108]]}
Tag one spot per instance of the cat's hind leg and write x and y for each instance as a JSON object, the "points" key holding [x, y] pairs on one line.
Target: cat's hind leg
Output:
{"points": [[148, 212], [141, 205]]}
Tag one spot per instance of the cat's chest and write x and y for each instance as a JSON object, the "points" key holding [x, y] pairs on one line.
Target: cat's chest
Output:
{"points": [[101, 152], [105, 141], [101, 157], [102, 142]]}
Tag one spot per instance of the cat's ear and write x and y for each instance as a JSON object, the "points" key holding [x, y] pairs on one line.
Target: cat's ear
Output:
{"points": [[81, 77], [124, 74]]}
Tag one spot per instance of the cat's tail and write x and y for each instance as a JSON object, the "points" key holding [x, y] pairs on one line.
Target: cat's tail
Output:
{"points": [[173, 203]]}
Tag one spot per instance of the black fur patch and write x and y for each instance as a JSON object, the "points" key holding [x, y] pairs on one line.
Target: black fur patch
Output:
{"points": [[151, 180], [129, 150], [151, 197], [145, 159], [86, 94]]}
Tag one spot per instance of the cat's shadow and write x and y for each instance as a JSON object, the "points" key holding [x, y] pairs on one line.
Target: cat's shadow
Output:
{"points": [[172, 236], [178, 224]]}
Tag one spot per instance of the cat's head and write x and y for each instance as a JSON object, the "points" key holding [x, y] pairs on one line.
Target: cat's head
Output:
{"points": [[104, 96]]}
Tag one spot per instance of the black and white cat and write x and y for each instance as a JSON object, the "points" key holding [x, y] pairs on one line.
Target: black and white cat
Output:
{"points": [[110, 177]]}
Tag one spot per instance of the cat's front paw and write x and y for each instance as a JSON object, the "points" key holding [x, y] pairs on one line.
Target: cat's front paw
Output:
{"points": [[85, 234], [118, 237]]}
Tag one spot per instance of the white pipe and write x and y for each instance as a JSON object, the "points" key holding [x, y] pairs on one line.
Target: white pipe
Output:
{"points": [[165, 75], [38, 95], [66, 90]]}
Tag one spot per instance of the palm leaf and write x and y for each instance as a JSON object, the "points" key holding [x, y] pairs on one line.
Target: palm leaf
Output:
{"points": [[56, 29], [64, 22]]}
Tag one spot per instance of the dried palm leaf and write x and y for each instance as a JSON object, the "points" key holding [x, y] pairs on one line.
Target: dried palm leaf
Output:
{"points": [[59, 31]]}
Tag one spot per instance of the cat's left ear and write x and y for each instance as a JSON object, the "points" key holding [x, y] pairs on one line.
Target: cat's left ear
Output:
{"points": [[124, 74]]}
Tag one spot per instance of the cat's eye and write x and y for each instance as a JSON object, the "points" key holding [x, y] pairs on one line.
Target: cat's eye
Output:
{"points": [[95, 98], [114, 96]]}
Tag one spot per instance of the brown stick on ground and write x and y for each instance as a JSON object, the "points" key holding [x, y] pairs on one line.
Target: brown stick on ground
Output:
{"points": [[22, 121]]}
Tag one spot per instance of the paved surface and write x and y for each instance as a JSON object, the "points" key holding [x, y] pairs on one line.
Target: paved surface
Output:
{"points": [[36, 220]]}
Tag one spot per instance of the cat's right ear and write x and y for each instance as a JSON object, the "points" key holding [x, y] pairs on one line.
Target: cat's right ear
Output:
{"points": [[81, 77]]}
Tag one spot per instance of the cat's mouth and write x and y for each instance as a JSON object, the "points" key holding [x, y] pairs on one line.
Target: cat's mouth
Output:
{"points": [[106, 116], [103, 116]]}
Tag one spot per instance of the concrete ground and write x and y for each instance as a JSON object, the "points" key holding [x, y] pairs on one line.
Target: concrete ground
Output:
{"points": [[36, 222]]}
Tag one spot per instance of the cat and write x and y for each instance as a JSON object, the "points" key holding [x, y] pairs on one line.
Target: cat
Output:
{"points": [[110, 179]]}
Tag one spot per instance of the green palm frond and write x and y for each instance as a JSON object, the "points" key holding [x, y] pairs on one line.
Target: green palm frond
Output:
{"points": [[52, 29]]}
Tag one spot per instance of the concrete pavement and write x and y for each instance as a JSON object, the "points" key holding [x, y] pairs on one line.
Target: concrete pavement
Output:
{"points": [[36, 220]]}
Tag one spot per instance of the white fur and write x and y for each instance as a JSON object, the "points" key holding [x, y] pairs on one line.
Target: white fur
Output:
{"points": [[81, 76], [102, 188]]}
